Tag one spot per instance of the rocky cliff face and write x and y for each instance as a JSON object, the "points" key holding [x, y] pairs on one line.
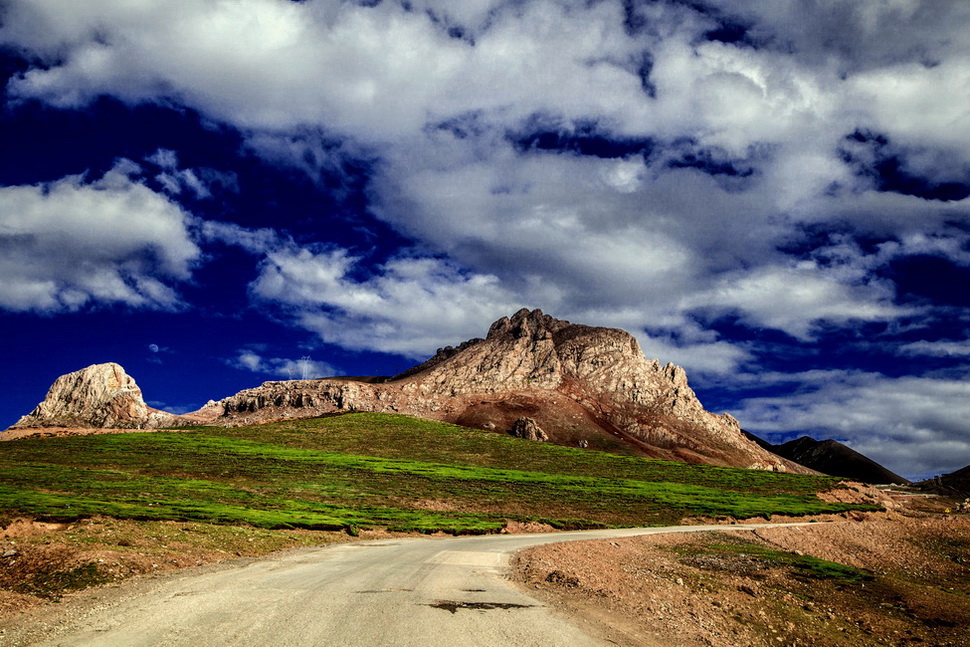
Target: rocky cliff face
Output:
{"points": [[101, 395], [582, 385]]}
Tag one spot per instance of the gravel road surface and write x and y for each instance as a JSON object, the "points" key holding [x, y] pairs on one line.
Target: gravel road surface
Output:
{"points": [[421, 592]]}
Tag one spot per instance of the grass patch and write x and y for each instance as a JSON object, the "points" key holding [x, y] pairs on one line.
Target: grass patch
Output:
{"points": [[745, 557], [396, 436], [377, 470]]}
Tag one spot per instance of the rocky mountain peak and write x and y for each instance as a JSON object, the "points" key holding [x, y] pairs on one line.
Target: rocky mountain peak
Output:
{"points": [[526, 324], [571, 378], [101, 395], [581, 386]]}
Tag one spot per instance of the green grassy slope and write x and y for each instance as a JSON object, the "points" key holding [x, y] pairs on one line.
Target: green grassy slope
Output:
{"points": [[368, 470]]}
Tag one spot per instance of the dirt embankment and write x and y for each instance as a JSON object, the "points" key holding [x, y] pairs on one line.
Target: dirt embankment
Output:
{"points": [[41, 562], [896, 578], [57, 432]]}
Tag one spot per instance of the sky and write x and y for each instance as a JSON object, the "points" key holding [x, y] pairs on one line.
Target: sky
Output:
{"points": [[774, 194]]}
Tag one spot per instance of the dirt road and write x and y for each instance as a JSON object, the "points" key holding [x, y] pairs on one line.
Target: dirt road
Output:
{"points": [[421, 592]]}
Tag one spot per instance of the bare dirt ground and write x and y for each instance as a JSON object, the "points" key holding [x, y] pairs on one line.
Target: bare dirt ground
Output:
{"points": [[41, 562], [52, 432], [896, 578]]}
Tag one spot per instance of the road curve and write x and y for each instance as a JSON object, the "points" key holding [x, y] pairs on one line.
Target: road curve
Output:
{"points": [[401, 592]]}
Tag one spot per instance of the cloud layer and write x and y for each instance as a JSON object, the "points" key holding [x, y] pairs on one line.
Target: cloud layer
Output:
{"points": [[423, 295], [74, 242], [743, 145]]}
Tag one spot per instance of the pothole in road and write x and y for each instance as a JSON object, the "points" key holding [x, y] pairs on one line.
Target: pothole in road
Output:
{"points": [[453, 606]]}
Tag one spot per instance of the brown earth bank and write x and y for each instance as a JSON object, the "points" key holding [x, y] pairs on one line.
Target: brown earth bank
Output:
{"points": [[43, 562], [896, 578], [58, 432]]}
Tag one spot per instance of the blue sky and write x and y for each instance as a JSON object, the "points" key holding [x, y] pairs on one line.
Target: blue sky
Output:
{"points": [[775, 195]]}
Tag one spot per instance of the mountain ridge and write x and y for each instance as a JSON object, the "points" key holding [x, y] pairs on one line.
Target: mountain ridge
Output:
{"points": [[580, 385]]}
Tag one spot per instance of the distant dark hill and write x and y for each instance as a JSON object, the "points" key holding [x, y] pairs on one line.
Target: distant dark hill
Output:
{"points": [[833, 458], [763, 444], [957, 482]]}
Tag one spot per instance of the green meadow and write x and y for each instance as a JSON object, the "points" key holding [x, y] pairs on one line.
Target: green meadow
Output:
{"points": [[368, 470]]}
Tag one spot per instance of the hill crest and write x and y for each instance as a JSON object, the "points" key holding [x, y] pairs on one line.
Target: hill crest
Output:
{"points": [[581, 385], [100, 395], [833, 458]]}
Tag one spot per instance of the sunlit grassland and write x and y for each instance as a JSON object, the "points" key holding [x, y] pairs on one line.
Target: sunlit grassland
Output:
{"points": [[377, 470]]}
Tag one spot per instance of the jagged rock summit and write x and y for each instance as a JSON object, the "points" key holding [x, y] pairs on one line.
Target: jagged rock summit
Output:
{"points": [[582, 386], [101, 395]]}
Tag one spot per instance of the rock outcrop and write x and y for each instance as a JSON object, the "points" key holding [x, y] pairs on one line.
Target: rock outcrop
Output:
{"points": [[528, 429], [101, 395], [548, 379], [579, 384]]}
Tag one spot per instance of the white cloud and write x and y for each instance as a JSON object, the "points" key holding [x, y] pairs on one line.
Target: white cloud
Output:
{"points": [[642, 234], [173, 179], [937, 348], [918, 105], [379, 74], [915, 425], [373, 72], [701, 359], [254, 241], [411, 307], [794, 298], [472, 15], [349, 67], [899, 67], [312, 151], [856, 36], [301, 368], [559, 217], [72, 242], [672, 241]]}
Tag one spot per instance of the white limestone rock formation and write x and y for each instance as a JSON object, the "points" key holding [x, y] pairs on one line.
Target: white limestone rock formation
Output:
{"points": [[100, 396]]}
